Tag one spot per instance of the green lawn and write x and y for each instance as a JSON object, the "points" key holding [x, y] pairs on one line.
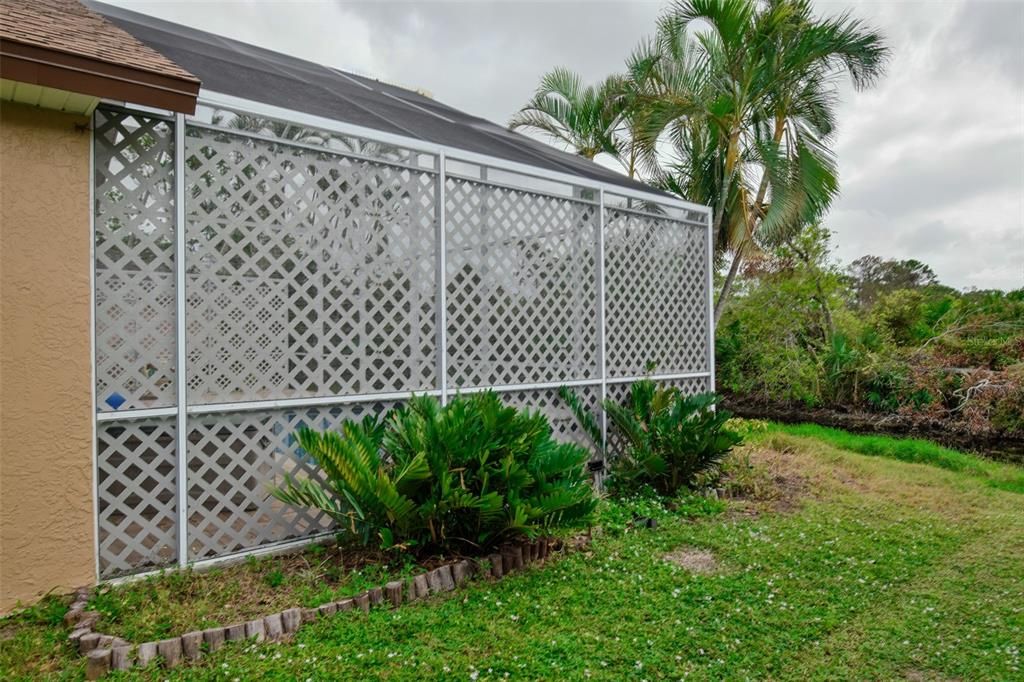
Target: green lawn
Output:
{"points": [[883, 569]]}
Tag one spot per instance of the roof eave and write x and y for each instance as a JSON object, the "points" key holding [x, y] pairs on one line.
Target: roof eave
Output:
{"points": [[56, 69]]}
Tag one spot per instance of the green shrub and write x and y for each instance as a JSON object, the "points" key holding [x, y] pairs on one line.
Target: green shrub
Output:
{"points": [[465, 476], [660, 437]]}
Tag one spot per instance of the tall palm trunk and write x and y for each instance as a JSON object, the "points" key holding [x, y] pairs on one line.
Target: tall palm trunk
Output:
{"points": [[727, 284], [731, 158], [762, 191]]}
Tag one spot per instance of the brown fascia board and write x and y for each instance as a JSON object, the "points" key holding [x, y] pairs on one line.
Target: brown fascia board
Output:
{"points": [[64, 71]]}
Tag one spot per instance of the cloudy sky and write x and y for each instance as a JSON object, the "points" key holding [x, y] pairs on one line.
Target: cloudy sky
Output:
{"points": [[931, 160]]}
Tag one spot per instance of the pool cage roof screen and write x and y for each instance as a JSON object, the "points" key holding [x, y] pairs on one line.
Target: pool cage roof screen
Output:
{"points": [[230, 67], [312, 246]]}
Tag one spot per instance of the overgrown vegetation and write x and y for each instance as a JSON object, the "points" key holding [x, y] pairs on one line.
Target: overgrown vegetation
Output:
{"points": [[879, 336], [878, 569], [460, 477], [659, 437]]}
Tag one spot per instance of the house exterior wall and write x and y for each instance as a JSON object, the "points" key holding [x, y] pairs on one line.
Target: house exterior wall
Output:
{"points": [[46, 478]]}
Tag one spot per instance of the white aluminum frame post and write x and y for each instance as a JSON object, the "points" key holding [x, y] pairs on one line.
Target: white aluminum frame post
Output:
{"points": [[181, 372], [441, 263]]}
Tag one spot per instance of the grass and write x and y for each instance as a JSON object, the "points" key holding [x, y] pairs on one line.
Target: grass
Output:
{"points": [[179, 601], [1003, 476], [882, 569]]}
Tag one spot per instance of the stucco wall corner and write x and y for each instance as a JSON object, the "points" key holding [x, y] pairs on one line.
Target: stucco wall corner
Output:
{"points": [[46, 480]]}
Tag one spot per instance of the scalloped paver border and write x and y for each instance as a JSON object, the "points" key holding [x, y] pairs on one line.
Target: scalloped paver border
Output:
{"points": [[105, 652]]}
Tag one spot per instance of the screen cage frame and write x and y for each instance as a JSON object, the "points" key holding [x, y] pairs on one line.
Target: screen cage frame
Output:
{"points": [[180, 478]]}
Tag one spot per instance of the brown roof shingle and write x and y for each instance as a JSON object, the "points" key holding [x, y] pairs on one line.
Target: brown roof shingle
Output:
{"points": [[68, 26]]}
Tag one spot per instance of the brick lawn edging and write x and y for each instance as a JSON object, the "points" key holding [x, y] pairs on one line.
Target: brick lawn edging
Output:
{"points": [[105, 652]]}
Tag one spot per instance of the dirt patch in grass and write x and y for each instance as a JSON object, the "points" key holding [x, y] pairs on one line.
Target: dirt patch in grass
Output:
{"points": [[694, 560], [7, 632], [765, 480], [832, 470]]}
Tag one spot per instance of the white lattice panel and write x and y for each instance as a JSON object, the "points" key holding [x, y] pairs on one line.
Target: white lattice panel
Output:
{"points": [[564, 426], [136, 495], [309, 274], [656, 289], [291, 132], [235, 459], [134, 246], [521, 286]]}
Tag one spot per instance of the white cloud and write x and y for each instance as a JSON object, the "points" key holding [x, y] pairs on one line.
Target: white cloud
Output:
{"points": [[932, 159]]}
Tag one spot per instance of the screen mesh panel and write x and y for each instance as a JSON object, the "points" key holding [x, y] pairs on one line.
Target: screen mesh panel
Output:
{"points": [[308, 273], [521, 286], [134, 261]]}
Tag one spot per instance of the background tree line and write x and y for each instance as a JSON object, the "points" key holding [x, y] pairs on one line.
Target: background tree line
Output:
{"points": [[881, 336]]}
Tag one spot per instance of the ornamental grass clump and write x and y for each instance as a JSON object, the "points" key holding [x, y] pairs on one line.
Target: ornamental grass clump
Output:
{"points": [[659, 437], [463, 477]]}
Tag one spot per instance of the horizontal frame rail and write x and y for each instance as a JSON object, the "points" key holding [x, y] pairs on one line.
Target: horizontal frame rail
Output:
{"points": [[136, 414], [332, 400], [282, 547], [310, 147], [658, 377], [524, 190], [219, 100], [692, 224]]}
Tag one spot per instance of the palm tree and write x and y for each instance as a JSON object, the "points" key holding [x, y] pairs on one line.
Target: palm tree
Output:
{"points": [[744, 96], [583, 118]]}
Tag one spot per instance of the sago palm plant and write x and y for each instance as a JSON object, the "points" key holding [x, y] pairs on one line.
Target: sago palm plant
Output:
{"points": [[660, 437], [465, 476]]}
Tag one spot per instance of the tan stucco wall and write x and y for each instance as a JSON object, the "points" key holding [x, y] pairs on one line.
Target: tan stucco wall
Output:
{"points": [[46, 514]]}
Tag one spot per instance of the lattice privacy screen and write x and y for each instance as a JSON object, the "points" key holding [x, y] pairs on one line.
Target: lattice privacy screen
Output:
{"points": [[313, 279], [134, 247]]}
